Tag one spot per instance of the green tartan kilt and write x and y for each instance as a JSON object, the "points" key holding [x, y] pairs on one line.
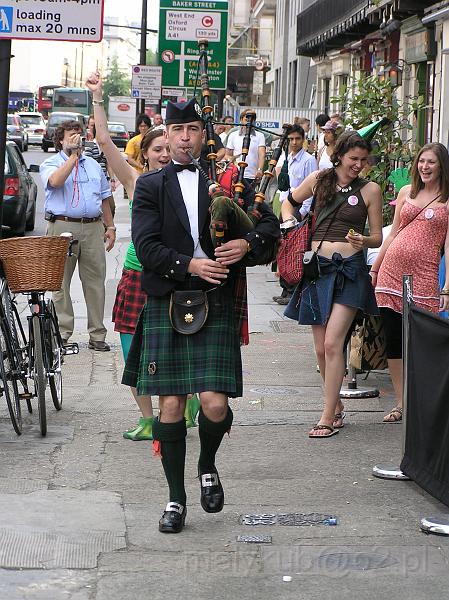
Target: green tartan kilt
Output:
{"points": [[164, 362]]}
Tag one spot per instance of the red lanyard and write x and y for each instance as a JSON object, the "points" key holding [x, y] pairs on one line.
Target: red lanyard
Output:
{"points": [[76, 188]]}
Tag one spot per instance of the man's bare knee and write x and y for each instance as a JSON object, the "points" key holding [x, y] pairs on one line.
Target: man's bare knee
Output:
{"points": [[214, 405], [171, 408]]}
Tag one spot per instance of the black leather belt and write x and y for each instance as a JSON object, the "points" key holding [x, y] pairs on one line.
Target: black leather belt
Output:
{"points": [[52, 218]]}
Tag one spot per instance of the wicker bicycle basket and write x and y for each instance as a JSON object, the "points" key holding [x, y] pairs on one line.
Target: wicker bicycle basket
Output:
{"points": [[35, 263]]}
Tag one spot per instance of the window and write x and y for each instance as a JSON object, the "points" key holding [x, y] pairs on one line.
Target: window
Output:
{"points": [[293, 81]]}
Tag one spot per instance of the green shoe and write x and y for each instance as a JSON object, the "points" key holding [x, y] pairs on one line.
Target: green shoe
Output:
{"points": [[143, 431], [192, 410]]}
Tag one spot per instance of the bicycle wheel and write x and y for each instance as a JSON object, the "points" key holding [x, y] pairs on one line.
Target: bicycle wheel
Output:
{"points": [[38, 370], [20, 345], [8, 381], [54, 349]]}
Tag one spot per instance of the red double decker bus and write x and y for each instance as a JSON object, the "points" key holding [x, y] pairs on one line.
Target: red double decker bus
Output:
{"points": [[45, 98]]}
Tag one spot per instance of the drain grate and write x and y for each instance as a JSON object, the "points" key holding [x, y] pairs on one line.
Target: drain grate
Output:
{"points": [[289, 327], [289, 519], [277, 390], [255, 539]]}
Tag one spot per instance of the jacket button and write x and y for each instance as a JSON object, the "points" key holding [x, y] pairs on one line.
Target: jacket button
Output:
{"points": [[171, 271], [177, 262]]}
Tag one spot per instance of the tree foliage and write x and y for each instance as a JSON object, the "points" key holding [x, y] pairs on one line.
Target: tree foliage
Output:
{"points": [[368, 100], [116, 83]]}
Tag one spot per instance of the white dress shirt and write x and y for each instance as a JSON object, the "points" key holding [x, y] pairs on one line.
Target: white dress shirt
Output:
{"points": [[188, 182]]}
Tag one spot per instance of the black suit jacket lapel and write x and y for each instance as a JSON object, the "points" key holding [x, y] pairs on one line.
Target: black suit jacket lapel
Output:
{"points": [[174, 195]]}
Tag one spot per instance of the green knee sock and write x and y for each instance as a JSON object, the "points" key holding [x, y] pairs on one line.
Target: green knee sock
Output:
{"points": [[211, 435], [172, 437]]}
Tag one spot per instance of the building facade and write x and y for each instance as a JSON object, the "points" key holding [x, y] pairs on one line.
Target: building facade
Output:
{"points": [[292, 77], [386, 38]]}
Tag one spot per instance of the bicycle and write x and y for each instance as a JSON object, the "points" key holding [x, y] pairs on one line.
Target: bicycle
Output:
{"points": [[45, 353], [33, 265], [46, 350]]}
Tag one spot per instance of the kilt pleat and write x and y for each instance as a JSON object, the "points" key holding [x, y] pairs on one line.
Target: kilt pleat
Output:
{"points": [[164, 362], [129, 301]]}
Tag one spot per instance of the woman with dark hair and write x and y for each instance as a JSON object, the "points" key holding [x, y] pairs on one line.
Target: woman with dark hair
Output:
{"points": [[343, 202], [130, 299], [413, 247]]}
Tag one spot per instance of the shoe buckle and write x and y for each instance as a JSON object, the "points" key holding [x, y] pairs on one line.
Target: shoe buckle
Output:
{"points": [[209, 479], [174, 507]]}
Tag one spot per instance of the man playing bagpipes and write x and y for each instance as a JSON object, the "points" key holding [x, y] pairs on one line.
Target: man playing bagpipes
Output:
{"points": [[186, 340]]}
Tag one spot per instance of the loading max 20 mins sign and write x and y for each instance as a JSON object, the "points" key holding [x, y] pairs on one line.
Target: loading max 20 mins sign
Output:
{"points": [[65, 20]]}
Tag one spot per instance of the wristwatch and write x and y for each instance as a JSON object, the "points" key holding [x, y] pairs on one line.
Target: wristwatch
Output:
{"points": [[112, 227]]}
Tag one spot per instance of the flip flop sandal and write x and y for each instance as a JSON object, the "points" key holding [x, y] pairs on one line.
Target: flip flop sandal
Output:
{"points": [[340, 416], [332, 431], [396, 415]]}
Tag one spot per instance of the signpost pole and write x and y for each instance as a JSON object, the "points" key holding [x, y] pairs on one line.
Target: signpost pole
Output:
{"points": [[5, 62], [143, 52]]}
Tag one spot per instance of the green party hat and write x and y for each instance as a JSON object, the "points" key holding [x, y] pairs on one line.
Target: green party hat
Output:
{"points": [[370, 130]]}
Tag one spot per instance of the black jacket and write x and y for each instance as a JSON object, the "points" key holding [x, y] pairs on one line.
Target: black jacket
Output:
{"points": [[161, 230]]}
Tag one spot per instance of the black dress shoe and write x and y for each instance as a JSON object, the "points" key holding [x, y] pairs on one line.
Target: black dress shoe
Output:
{"points": [[173, 518], [212, 494]]}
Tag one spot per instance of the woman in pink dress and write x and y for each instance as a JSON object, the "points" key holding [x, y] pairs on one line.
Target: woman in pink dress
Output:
{"points": [[418, 236]]}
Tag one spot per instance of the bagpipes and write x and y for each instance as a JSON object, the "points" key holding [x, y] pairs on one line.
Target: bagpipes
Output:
{"points": [[228, 217]]}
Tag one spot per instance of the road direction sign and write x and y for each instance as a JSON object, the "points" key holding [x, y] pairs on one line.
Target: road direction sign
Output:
{"points": [[181, 25], [80, 21], [146, 82]]}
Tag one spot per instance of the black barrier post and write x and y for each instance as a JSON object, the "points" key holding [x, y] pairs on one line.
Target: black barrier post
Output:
{"points": [[5, 62], [394, 471]]}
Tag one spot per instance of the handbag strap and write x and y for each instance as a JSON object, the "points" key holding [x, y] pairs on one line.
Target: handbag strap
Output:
{"points": [[418, 213], [311, 223]]}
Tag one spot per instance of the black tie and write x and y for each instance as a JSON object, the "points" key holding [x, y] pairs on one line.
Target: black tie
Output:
{"points": [[179, 168]]}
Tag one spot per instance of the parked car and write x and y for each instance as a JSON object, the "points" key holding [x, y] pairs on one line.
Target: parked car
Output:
{"points": [[16, 132], [119, 134], [55, 119], [34, 125], [20, 193]]}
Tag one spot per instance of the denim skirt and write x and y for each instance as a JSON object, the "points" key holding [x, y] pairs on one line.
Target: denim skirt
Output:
{"points": [[342, 281]]}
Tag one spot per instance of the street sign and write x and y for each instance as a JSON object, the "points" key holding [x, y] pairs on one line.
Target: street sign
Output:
{"points": [[268, 124], [146, 83], [258, 83], [181, 25], [79, 21], [174, 92]]}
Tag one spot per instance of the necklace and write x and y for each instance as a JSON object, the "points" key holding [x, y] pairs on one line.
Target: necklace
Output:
{"points": [[345, 190]]}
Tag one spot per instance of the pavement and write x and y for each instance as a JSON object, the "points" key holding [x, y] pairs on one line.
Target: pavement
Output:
{"points": [[79, 509]]}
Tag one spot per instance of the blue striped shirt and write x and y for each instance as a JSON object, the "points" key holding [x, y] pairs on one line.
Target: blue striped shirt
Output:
{"points": [[65, 200]]}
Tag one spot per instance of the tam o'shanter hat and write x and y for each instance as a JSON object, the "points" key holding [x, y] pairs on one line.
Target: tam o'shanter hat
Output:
{"points": [[183, 112]]}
